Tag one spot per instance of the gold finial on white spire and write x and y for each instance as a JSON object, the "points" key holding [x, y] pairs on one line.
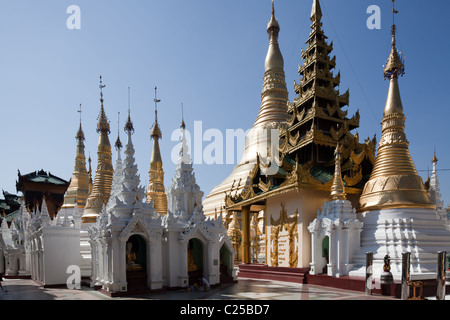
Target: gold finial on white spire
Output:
{"points": [[337, 188]]}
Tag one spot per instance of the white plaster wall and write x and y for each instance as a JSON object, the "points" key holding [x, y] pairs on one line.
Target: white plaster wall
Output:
{"points": [[395, 231], [61, 249]]}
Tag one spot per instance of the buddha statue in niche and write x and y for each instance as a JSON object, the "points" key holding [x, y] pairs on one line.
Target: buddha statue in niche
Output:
{"points": [[131, 258]]}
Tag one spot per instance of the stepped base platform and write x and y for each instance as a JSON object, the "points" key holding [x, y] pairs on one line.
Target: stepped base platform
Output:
{"points": [[17, 277], [137, 284], [263, 271], [302, 276], [429, 286]]}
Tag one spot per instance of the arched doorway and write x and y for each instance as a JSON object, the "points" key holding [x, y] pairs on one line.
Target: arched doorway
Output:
{"points": [[195, 261], [226, 272], [136, 261], [326, 253]]}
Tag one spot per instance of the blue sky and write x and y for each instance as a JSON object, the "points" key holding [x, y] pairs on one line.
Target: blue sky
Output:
{"points": [[208, 55]]}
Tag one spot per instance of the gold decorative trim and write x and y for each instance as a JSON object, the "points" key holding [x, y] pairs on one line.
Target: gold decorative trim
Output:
{"points": [[289, 224]]}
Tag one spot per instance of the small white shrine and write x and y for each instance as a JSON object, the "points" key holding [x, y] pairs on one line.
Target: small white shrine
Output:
{"points": [[126, 239], [54, 246], [194, 245], [335, 232], [136, 249], [15, 245]]}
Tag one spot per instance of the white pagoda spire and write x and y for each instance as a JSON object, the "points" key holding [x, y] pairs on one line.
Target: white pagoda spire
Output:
{"points": [[184, 195], [117, 175], [435, 192], [127, 193]]}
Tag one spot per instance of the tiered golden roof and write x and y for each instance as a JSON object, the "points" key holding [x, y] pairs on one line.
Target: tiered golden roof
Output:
{"points": [[317, 121], [394, 182], [156, 190], [78, 190], [101, 188]]}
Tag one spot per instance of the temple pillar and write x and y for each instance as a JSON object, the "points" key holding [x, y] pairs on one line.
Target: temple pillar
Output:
{"points": [[154, 264], [245, 216], [122, 260]]}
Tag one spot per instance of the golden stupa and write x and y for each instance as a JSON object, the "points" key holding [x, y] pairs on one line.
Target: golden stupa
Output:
{"points": [[78, 190], [274, 96], [394, 182], [272, 114], [156, 190], [101, 189]]}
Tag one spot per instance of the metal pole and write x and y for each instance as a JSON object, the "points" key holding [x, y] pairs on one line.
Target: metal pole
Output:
{"points": [[369, 272], [406, 260], [440, 294]]}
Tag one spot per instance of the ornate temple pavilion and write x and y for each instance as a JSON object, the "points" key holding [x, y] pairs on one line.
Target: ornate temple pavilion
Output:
{"points": [[36, 186], [309, 129]]}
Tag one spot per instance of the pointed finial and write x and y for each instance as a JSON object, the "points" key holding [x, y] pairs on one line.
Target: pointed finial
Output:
{"points": [[156, 132], [273, 28], [101, 86], [79, 111], [395, 65], [129, 128], [118, 142], [156, 100], [103, 124], [394, 27], [129, 99], [183, 125], [316, 11], [118, 122], [434, 156], [80, 133], [394, 12]]}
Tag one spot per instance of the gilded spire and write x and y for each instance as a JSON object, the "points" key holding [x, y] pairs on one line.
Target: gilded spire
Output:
{"points": [[156, 190], [395, 66], [337, 188], [103, 123], [273, 27], [156, 131], [101, 188], [435, 159], [78, 190], [274, 97], [394, 182], [80, 133]]}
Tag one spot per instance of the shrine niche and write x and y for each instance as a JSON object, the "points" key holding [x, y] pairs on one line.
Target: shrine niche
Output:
{"points": [[136, 256], [195, 255], [283, 240]]}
